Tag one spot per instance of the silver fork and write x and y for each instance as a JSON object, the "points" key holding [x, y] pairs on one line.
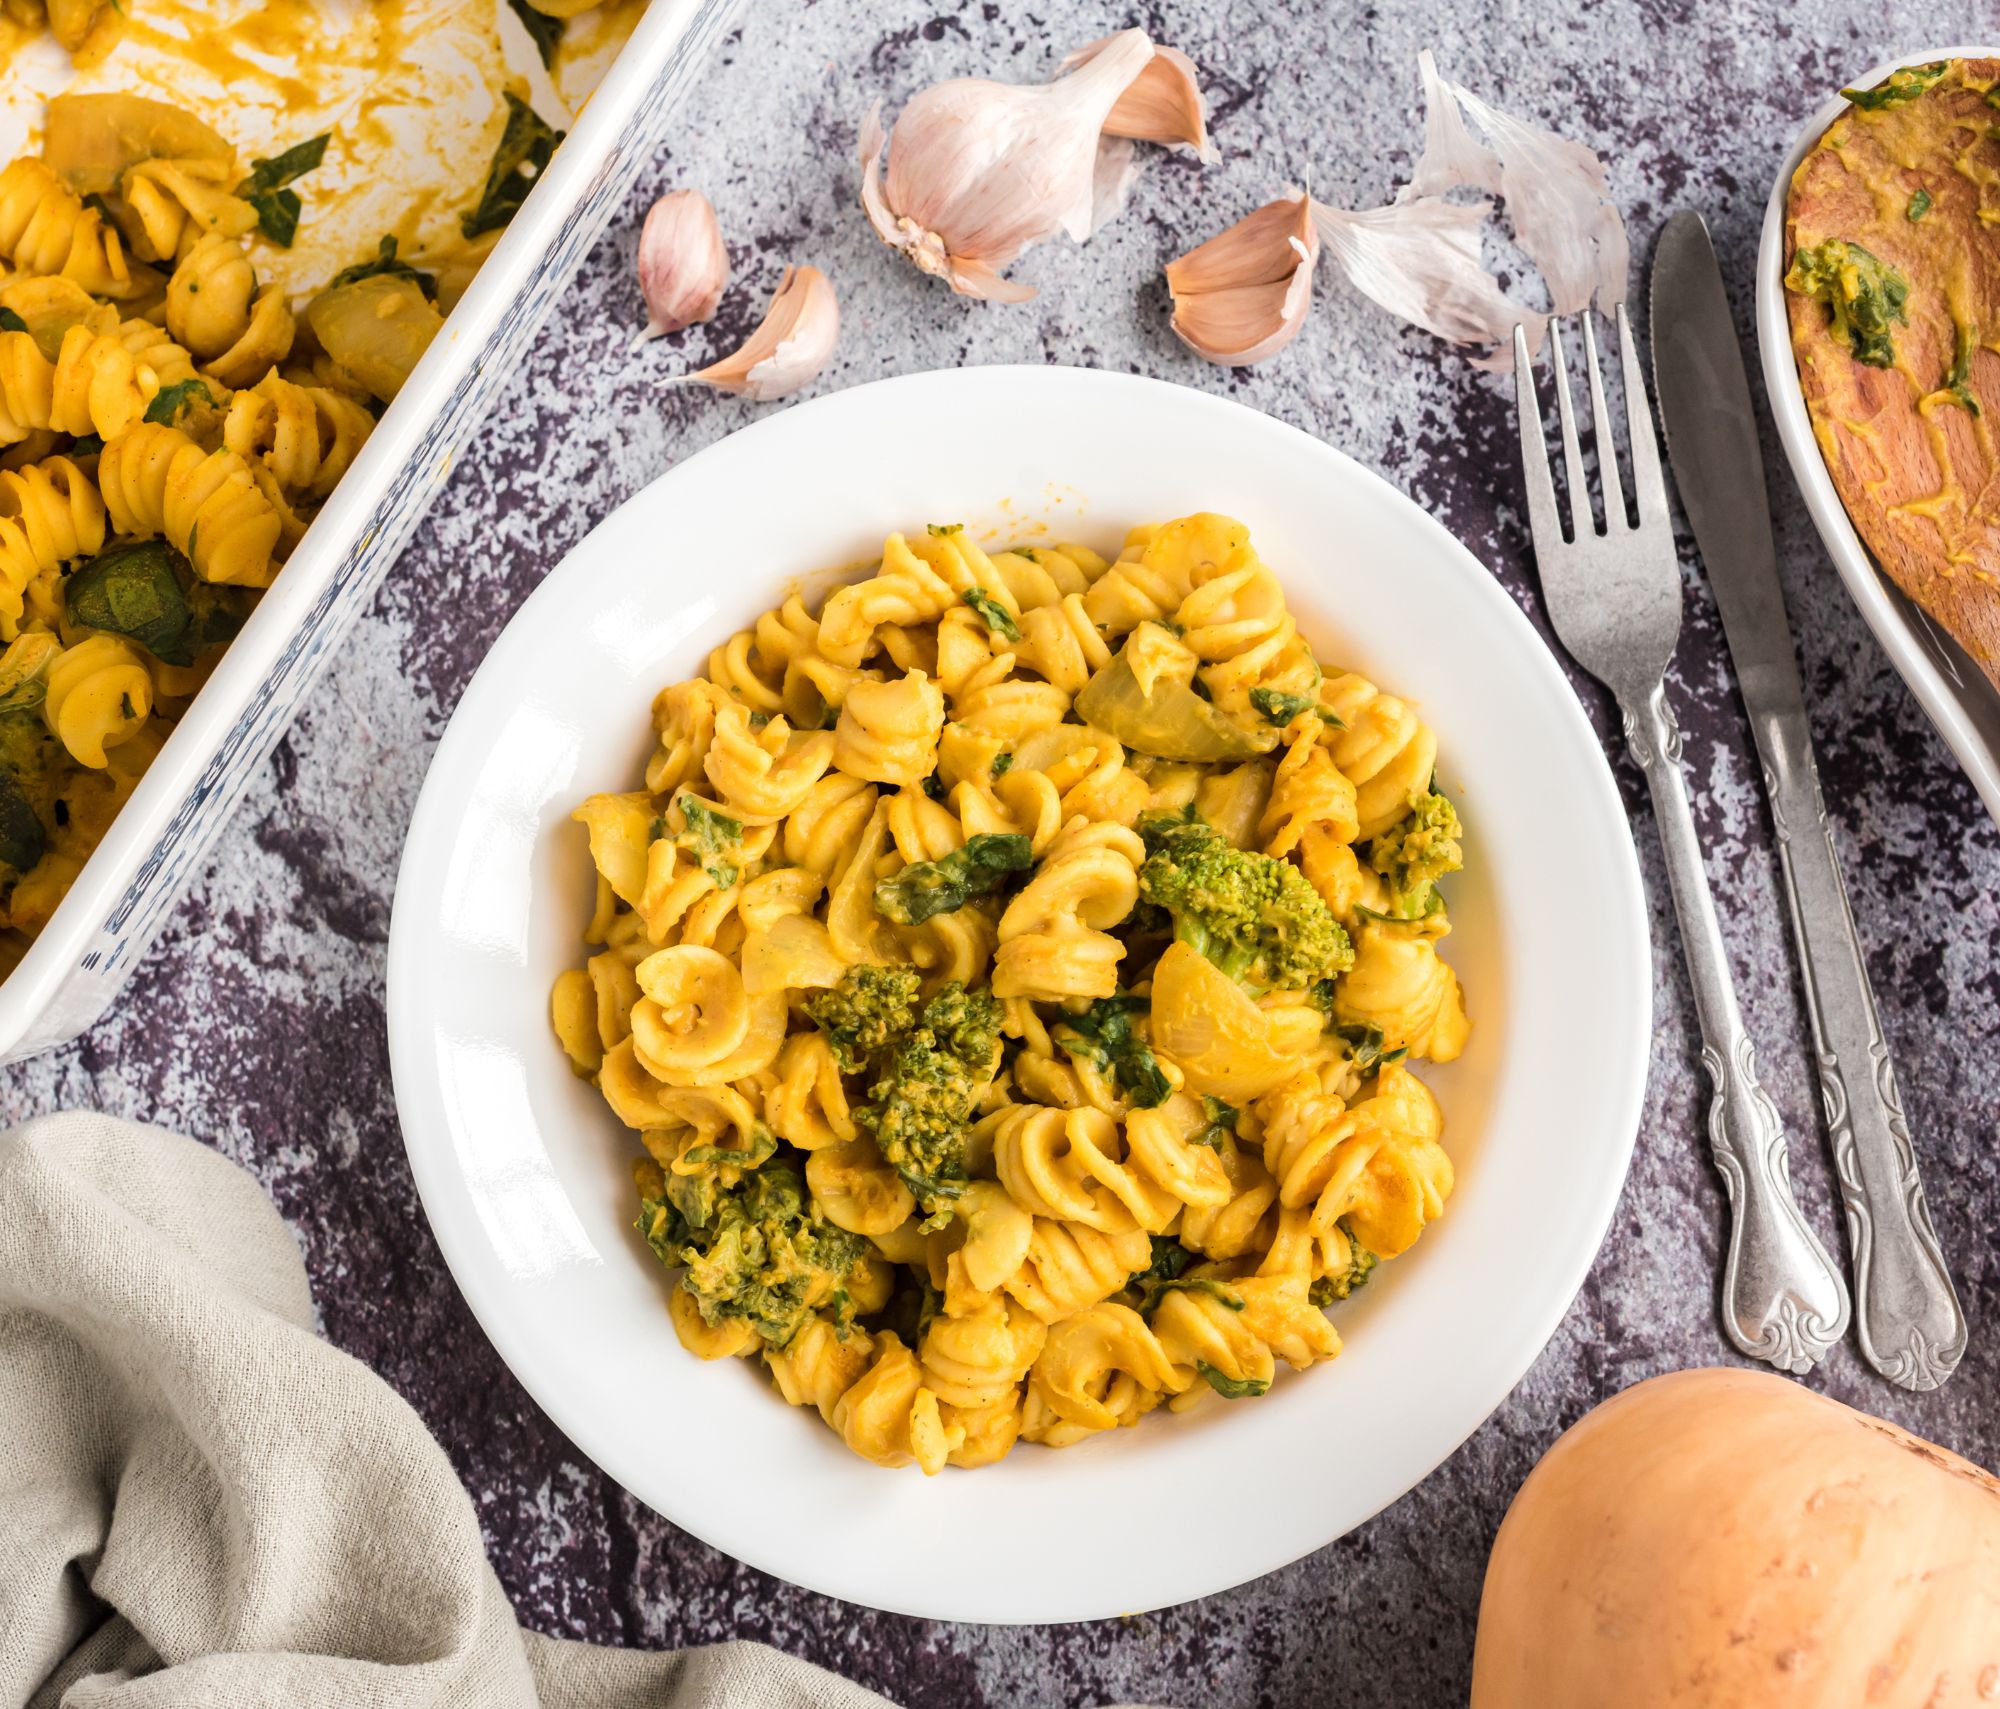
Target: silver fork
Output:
{"points": [[1615, 599]]}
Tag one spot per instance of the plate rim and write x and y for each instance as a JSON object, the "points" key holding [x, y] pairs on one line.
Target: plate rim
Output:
{"points": [[747, 1545], [1871, 591]]}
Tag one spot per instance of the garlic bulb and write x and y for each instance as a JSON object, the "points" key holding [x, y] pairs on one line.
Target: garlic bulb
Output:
{"points": [[977, 171], [683, 264], [792, 343], [1242, 296]]}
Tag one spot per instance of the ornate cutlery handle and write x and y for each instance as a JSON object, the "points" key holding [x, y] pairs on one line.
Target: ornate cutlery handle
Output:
{"points": [[1782, 1298], [1908, 1319]]}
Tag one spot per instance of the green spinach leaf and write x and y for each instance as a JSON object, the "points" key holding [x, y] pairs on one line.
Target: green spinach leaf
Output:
{"points": [[133, 591], [1102, 1035], [170, 402], [997, 617], [1231, 1388], [277, 207], [1903, 84], [1279, 708], [520, 158], [943, 886], [544, 31], [385, 265]]}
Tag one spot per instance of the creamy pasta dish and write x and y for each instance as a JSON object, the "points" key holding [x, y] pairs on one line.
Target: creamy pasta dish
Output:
{"points": [[200, 323], [1013, 973]]}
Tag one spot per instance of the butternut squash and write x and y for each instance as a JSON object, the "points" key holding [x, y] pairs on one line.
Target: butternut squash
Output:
{"points": [[1725, 1538]]}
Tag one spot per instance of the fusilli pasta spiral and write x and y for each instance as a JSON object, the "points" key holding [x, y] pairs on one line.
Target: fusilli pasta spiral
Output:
{"points": [[50, 516], [45, 228], [206, 504], [306, 436], [176, 203], [216, 309], [99, 694]]}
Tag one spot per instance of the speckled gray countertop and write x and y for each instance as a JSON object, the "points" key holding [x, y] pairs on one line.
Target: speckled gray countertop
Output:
{"points": [[257, 1024]]}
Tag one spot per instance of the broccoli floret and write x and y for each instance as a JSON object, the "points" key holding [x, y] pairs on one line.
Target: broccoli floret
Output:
{"points": [[1360, 1264], [866, 1012], [758, 1252], [920, 1105], [1257, 918], [945, 885], [1415, 852], [1102, 1036]]}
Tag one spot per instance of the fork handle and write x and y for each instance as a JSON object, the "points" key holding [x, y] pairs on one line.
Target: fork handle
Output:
{"points": [[1908, 1320], [1783, 1300]]}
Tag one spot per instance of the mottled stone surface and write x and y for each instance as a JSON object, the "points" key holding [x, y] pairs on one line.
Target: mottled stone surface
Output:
{"points": [[258, 1023]]}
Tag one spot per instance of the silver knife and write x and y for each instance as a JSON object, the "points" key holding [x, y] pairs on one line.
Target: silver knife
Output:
{"points": [[1906, 1313]]}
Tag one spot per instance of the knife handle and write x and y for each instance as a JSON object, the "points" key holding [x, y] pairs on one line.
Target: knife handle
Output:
{"points": [[1783, 1299], [1907, 1316]]}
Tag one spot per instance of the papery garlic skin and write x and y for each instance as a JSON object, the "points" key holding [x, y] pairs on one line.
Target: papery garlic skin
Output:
{"points": [[977, 171], [683, 263], [792, 343], [1421, 261], [1420, 256], [1242, 296], [1557, 192]]}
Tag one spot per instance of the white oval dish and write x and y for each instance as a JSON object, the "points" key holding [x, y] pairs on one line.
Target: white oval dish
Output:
{"points": [[525, 1174], [1952, 690]]}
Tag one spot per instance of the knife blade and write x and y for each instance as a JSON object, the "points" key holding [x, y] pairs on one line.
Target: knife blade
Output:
{"points": [[1907, 1316]]}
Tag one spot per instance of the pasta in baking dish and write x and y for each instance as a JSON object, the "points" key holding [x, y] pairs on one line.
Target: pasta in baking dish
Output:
{"points": [[195, 346], [1013, 974]]}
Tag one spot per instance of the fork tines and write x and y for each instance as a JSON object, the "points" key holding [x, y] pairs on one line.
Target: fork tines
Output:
{"points": [[1544, 518], [1613, 593]]}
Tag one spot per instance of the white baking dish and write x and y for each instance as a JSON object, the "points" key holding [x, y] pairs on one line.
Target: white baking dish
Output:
{"points": [[1948, 685], [73, 971]]}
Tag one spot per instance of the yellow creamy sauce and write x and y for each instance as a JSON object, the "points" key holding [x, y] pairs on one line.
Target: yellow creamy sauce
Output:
{"points": [[411, 93], [1914, 464]]}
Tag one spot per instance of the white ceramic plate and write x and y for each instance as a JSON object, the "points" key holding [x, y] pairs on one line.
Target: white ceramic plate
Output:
{"points": [[524, 1172], [1948, 685]]}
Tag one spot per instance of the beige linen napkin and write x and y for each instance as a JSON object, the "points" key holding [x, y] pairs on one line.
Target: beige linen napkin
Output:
{"points": [[202, 1503]]}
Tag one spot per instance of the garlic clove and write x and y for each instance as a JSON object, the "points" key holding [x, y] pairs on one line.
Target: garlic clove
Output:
{"points": [[1163, 104], [792, 343], [683, 263], [977, 171], [1242, 296]]}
